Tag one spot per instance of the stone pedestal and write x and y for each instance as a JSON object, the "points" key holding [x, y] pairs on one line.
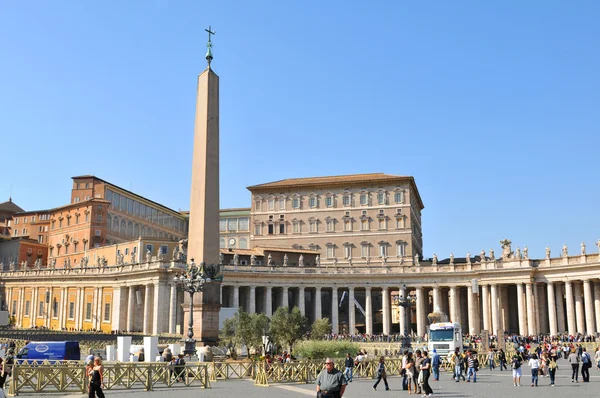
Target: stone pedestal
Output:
{"points": [[206, 314], [123, 346], [150, 348]]}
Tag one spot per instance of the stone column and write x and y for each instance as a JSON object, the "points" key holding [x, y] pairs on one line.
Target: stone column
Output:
{"points": [[160, 310], [453, 303], [590, 323], [285, 297], [269, 301], [61, 305], [458, 306], [78, 301], [335, 319], [252, 300], [485, 303], [472, 303], [437, 301], [147, 310], [301, 300], [579, 313], [34, 305], [385, 303], [236, 297], [560, 307], [420, 311], [131, 308], [351, 311], [369, 312], [552, 309], [173, 309], [597, 304], [495, 314], [504, 308], [318, 313], [571, 328], [530, 314], [522, 313]]}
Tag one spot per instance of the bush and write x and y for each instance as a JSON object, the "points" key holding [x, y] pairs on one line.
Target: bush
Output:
{"points": [[318, 349]]}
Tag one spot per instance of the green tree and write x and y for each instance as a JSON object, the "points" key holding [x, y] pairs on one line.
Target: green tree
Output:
{"points": [[227, 334], [244, 329], [287, 326], [260, 328], [320, 328]]}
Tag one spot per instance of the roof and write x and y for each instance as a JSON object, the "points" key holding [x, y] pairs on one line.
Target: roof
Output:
{"points": [[10, 207], [128, 191], [345, 179]]}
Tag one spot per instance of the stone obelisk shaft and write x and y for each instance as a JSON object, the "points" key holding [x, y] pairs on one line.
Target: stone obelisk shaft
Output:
{"points": [[203, 236]]}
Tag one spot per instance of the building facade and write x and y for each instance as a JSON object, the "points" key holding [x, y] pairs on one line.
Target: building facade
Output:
{"points": [[234, 228], [364, 217]]}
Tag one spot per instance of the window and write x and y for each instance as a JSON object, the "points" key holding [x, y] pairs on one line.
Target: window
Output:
{"points": [[271, 229], [223, 224], [282, 228], [32, 218], [98, 232], [40, 238], [347, 225], [54, 308], [348, 251], [312, 202], [106, 312], [243, 243], [381, 198], [281, 203], [136, 208], [108, 195], [25, 220], [71, 310], [27, 305], [329, 201], [164, 249], [382, 223], [232, 224], [400, 222], [123, 203], [88, 311], [296, 227], [51, 250], [75, 247], [347, 199], [77, 199], [150, 247], [400, 247], [17, 221], [296, 203], [87, 185], [222, 244], [60, 223], [257, 229], [66, 249], [398, 197], [330, 225], [383, 250], [364, 199], [41, 309], [243, 223], [129, 206], [16, 232], [271, 204], [330, 252], [312, 224], [24, 231], [99, 217], [364, 225]]}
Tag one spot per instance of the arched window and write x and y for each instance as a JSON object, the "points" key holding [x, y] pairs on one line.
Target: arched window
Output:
{"points": [[222, 242], [115, 224], [130, 228], [136, 230], [123, 228], [243, 243]]}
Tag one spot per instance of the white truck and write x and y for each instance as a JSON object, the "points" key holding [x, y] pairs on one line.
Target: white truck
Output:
{"points": [[444, 337]]}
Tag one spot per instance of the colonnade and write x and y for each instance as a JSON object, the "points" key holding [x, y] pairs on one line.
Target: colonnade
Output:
{"points": [[527, 307]]}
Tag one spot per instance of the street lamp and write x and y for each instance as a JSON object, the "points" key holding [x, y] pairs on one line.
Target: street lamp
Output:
{"points": [[406, 301], [191, 281]]}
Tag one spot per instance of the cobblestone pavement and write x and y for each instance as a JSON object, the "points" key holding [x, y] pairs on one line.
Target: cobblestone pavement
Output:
{"points": [[493, 384]]}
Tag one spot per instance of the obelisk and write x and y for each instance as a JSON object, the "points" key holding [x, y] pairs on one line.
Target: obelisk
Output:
{"points": [[203, 234]]}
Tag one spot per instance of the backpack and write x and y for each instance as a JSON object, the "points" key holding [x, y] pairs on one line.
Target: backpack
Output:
{"points": [[460, 360], [476, 364], [516, 364]]}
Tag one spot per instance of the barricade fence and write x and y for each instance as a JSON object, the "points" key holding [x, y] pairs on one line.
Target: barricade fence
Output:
{"points": [[71, 376]]}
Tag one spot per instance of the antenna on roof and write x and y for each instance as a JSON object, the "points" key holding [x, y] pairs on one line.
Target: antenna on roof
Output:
{"points": [[10, 195]]}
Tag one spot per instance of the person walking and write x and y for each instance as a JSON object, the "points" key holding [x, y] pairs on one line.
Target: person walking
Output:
{"points": [[502, 359], [403, 372], [490, 358], [348, 365], [381, 375], [418, 361], [586, 364], [331, 383], [552, 365], [515, 365], [597, 358], [574, 361], [435, 365], [471, 370], [457, 360], [410, 373], [426, 369], [534, 363], [96, 377]]}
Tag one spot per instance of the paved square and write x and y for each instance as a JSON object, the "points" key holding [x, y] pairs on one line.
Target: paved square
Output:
{"points": [[495, 384]]}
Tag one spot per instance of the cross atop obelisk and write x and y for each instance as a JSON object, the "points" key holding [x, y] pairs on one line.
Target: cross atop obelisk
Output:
{"points": [[209, 55]]}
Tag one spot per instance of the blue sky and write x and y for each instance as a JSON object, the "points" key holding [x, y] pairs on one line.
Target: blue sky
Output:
{"points": [[491, 106]]}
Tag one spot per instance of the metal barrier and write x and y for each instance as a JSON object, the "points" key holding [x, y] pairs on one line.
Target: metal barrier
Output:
{"points": [[71, 377], [231, 370]]}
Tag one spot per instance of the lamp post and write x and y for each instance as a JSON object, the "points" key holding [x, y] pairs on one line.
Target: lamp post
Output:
{"points": [[191, 281], [406, 301]]}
